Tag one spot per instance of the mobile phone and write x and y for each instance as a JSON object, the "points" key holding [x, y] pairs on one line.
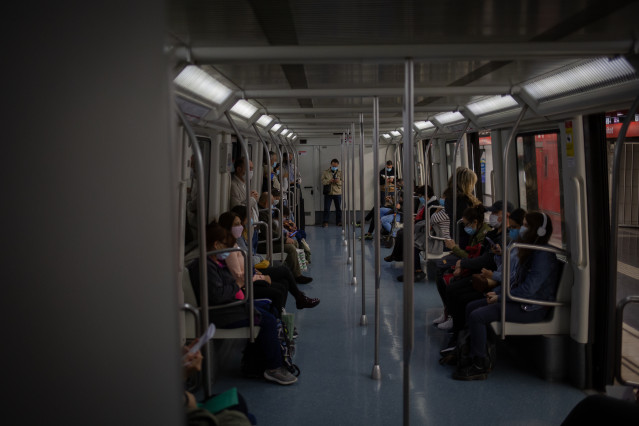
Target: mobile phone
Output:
{"points": [[292, 234]]}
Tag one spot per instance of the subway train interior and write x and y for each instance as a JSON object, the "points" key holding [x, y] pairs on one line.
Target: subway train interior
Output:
{"points": [[130, 126]]}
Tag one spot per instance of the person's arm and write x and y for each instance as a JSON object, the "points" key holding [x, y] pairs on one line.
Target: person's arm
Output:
{"points": [[235, 263], [222, 286], [338, 181], [327, 176]]}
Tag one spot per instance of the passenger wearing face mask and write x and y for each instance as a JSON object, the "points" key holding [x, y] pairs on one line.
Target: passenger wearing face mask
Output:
{"points": [[238, 188], [222, 289], [332, 189]]}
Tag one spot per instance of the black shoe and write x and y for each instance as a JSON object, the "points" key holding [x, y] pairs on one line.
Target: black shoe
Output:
{"points": [[450, 346], [419, 276], [306, 302], [400, 278], [390, 258], [303, 279], [475, 371], [339, 223]]}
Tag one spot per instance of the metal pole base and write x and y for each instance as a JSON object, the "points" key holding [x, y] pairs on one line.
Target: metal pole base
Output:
{"points": [[363, 320], [354, 281], [377, 372], [349, 261], [343, 232], [345, 243]]}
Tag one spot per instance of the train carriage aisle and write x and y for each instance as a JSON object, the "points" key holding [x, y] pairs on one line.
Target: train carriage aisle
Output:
{"points": [[336, 357]]}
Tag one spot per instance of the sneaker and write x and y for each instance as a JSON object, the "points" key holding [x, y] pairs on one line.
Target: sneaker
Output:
{"points": [[280, 375], [440, 319], [474, 371], [390, 258], [368, 236], [449, 346], [446, 325], [301, 279], [295, 333], [358, 225]]}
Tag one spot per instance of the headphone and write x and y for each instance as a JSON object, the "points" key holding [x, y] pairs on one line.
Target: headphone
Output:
{"points": [[541, 231]]}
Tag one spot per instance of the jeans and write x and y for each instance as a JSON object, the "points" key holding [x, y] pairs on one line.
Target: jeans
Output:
{"points": [[387, 221], [337, 200]]}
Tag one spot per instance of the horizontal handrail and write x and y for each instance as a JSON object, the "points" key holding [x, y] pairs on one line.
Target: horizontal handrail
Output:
{"points": [[506, 274]]}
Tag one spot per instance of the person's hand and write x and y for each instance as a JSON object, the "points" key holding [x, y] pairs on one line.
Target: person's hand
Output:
{"points": [[457, 271], [289, 241], [192, 362], [486, 273], [255, 195], [491, 297], [449, 244]]}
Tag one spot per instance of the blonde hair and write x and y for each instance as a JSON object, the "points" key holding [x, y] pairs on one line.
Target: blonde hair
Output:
{"points": [[466, 180]]}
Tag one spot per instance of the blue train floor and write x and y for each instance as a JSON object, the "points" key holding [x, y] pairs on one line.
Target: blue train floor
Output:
{"points": [[336, 357]]}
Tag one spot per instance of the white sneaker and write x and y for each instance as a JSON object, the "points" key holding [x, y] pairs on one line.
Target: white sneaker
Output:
{"points": [[446, 325], [440, 319]]}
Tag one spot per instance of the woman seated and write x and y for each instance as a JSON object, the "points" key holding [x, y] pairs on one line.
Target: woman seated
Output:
{"points": [[535, 275], [277, 278], [222, 289]]}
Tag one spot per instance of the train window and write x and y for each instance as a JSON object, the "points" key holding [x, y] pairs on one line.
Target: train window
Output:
{"points": [[540, 186], [487, 177]]}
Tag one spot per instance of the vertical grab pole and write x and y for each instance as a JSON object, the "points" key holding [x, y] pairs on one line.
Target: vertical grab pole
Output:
{"points": [[427, 170], [279, 209], [454, 189], [504, 222], [347, 193], [344, 221], [352, 200], [269, 230], [377, 372], [248, 259], [201, 241], [409, 268], [614, 219], [363, 320]]}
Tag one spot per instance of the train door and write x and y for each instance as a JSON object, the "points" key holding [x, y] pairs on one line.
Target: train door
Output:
{"points": [[487, 176], [307, 163]]}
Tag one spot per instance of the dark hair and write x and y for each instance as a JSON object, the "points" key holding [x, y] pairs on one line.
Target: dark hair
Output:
{"points": [[215, 232], [517, 215], [239, 162], [475, 213], [420, 190], [430, 192], [389, 163], [334, 160], [535, 220], [286, 211], [226, 220], [239, 211]]}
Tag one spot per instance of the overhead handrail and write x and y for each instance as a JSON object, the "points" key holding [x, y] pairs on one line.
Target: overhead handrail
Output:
{"points": [[363, 320], [504, 212], [614, 215], [619, 337], [269, 229], [376, 374], [249, 253], [454, 171], [201, 239]]}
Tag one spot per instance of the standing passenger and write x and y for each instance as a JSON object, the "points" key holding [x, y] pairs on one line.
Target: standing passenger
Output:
{"points": [[332, 183]]}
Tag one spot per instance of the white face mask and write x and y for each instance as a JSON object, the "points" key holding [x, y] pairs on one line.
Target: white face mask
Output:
{"points": [[250, 174], [237, 231], [493, 221]]}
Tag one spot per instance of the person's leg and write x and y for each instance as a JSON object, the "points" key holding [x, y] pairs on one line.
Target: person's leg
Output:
{"points": [[291, 259], [268, 341], [338, 208], [386, 222], [398, 249], [327, 208], [262, 290]]}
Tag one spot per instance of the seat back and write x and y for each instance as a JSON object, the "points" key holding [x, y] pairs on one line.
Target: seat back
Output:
{"points": [[556, 322]]}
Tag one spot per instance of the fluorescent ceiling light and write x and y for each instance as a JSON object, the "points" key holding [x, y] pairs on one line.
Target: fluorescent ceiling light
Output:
{"points": [[395, 133], [449, 117], [422, 125], [244, 109], [600, 72], [294, 137], [276, 127], [492, 104], [264, 120], [386, 136], [201, 83], [291, 135], [284, 132]]}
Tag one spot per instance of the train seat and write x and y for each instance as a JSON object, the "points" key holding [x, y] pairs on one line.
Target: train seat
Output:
{"points": [[557, 321], [189, 321]]}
